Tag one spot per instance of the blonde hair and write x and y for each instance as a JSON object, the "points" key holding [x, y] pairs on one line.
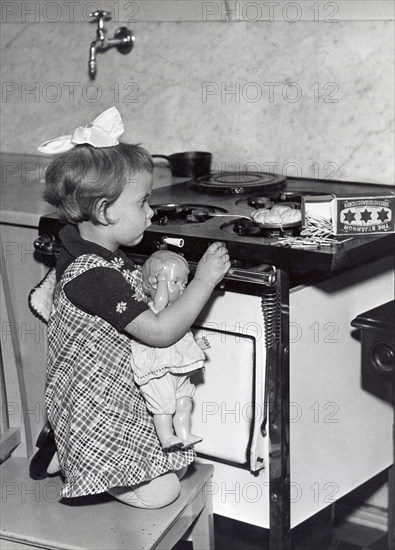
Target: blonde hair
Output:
{"points": [[77, 180]]}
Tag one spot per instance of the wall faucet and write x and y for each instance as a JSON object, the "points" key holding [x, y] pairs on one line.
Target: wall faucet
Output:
{"points": [[123, 39]]}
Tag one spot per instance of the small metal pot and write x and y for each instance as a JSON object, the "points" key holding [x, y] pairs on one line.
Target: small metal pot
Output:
{"points": [[191, 164]]}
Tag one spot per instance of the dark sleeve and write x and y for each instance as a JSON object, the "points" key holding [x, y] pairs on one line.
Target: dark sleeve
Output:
{"points": [[103, 291]]}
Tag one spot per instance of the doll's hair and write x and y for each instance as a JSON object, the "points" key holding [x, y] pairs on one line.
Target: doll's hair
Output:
{"points": [[77, 180], [158, 260]]}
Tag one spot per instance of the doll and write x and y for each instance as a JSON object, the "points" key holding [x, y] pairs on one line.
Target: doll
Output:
{"points": [[163, 374]]}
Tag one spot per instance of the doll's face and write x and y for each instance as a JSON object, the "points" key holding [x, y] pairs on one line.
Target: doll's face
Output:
{"points": [[177, 280]]}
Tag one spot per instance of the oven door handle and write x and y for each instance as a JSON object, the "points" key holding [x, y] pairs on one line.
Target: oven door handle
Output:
{"points": [[263, 274]]}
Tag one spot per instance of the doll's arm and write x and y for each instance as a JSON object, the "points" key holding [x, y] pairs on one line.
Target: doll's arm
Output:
{"points": [[161, 296]]}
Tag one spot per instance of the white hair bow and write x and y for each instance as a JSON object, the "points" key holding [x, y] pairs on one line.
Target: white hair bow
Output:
{"points": [[104, 131]]}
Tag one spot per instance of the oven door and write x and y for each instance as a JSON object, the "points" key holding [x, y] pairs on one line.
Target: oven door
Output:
{"points": [[229, 403]]}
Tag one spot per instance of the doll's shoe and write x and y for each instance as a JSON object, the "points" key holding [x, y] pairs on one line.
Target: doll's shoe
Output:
{"points": [[171, 443], [46, 450], [190, 441]]}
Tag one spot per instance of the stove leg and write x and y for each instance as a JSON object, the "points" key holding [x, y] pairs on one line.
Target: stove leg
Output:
{"points": [[279, 397], [391, 488], [391, 508]]}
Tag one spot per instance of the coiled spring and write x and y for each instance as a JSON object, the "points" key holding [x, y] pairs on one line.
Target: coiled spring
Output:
{"points": [[270, 305]]}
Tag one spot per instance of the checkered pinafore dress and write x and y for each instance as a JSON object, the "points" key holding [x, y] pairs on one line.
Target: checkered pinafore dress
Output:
{"points": [[104, 434]]}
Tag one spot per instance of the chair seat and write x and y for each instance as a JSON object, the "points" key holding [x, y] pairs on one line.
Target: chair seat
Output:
{"points": [[33, 515]]}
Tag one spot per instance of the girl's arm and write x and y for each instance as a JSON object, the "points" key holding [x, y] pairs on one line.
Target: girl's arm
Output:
{"points": [[174, 321]]}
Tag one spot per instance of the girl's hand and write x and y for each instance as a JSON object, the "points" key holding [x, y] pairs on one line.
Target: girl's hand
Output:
{"points": [[213, 265]]}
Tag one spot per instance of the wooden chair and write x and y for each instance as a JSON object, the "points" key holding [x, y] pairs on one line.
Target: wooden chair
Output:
{"points": [[32, 515]]}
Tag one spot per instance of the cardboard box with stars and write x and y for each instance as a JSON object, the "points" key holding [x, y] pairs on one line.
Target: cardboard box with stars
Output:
{"points": [[351, 215]]}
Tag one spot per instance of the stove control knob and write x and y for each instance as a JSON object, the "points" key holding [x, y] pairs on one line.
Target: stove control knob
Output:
{"points": [[173, 241], [383, 358], [160, 246]]}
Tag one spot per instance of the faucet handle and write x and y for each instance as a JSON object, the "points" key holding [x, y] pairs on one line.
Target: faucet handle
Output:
{"points": [[100, 15]]}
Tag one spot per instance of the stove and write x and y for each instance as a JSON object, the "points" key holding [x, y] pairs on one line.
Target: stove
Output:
{"points": [[190, 215], [249, 322], [211, 215]]}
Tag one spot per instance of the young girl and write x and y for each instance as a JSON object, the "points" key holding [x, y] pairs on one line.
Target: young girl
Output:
{"points": [[163, 374], [105, 437]]}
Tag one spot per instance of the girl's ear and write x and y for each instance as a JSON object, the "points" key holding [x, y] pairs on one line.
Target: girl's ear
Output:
{"points": [[100, 210]]}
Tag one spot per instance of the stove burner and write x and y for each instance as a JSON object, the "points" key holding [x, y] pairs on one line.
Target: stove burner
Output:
{"points": [[291, 196], [238, 182], [259, 202], [179, 214], [269, 199], [249, 228], [246, 227]]}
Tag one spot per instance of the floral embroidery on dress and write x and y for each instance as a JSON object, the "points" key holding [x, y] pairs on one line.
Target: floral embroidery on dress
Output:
{"points": [[136, 281], [139, 295], [118, 263], [121, 307]]}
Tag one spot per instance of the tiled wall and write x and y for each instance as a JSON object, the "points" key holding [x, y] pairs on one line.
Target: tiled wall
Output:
{"points": [[304, 98]]}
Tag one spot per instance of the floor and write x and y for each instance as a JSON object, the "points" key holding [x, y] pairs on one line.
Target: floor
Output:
{"points": [[314, 534]]}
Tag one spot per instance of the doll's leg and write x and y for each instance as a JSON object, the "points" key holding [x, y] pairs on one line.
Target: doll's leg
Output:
{"points": [[159, 395], [182, 416], [164, 428]]}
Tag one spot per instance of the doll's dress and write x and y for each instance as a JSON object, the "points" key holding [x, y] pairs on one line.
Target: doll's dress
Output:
{"points": [[149, 362]]}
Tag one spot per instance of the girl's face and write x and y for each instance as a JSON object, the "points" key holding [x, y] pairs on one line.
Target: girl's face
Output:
{"points": [[131, 212], [177, 280]]}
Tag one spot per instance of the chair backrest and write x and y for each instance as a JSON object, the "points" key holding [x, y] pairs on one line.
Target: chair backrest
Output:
{"points": [[15, 433]]}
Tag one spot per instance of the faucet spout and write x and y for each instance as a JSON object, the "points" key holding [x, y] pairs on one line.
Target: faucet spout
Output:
{"points": [[123, 40], [92, 60]]}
